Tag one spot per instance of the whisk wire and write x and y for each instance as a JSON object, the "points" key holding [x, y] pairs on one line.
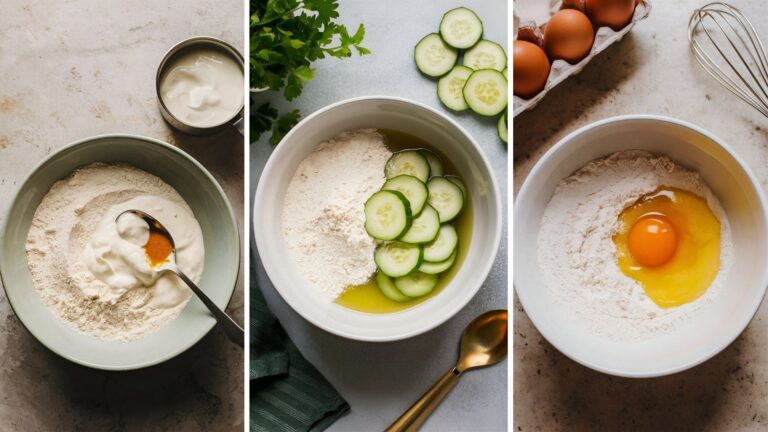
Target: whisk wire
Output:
{"points": [[750, 31], [751, 56], [750, 52], [753, 96]]}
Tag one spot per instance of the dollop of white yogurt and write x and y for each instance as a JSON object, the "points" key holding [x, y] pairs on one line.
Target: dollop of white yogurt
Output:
{"points": [[202, 87], [115, 254]]}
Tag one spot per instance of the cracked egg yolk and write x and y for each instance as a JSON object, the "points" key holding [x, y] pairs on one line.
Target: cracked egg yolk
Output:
{"points": [[652, 240], [669, 241]]}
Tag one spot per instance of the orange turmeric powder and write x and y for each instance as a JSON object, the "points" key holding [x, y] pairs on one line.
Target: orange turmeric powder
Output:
{"points": [[157, 249]]}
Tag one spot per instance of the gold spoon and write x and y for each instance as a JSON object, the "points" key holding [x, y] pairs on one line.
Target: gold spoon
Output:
{"points": [[234, 332], [483, 343]]}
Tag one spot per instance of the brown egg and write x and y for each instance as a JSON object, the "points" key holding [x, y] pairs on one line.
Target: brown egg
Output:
{"points": [[611, 13], [530, 67], [569, 36]]}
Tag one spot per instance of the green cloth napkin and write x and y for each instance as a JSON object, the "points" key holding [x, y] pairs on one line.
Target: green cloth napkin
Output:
{"points": [[287, 393]]}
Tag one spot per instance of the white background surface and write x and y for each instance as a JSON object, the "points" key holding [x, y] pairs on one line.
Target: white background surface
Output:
{"points": [[380, 381], [651, 71]]}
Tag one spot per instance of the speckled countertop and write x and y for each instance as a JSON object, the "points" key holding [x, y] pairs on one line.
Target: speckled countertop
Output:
{"points": [[381, 380], [79, 68], [649, 72]]}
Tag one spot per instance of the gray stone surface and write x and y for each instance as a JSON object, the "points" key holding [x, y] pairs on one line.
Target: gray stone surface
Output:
{"points": [[380, 381], [651, 72], [75, 69]]}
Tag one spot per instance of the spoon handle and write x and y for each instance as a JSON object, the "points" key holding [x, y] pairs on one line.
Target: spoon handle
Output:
{"points": [[418, 413], [233, 331]]}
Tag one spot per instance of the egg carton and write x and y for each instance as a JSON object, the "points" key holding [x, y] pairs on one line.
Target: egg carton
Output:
{"points": [[560, 69]]}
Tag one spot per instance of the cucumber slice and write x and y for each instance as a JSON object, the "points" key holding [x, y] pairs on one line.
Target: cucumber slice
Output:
{"points": [[444, 245], [387, 287], [485, 55], [412, 188], [501, 127], [486, 92], [408, 162], [458, 182], [416, 284], [424, 228], [435, 164], [449, 88], [387, 215], [446, 198], [461, 28], [436, 268], [504, 72], [433, 56], [397, 259]]}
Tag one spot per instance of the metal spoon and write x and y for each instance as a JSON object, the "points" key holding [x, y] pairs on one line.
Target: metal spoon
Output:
{"points": [[233, 331], [483, 343]]}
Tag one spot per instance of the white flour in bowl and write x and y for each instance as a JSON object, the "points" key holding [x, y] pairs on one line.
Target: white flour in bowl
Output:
{"points": [[323, 210], [94, 279], [577, 255]]}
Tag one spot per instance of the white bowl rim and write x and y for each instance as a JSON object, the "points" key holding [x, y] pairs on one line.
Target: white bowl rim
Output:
{"points": [[738, 329], [483, 272], [183, 154]]}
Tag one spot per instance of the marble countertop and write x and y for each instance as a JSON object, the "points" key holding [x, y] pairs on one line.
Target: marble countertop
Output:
{"points": [[76, 69], [378, 384], [649, 72]]}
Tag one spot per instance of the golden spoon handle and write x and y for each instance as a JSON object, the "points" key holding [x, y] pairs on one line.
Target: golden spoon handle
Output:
{"points": [[418, 413]]}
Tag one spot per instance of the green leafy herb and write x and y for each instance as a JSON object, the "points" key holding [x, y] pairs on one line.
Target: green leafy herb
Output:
{"points": [[261, 120], [286, 37], [284, 124], [265, 118]]}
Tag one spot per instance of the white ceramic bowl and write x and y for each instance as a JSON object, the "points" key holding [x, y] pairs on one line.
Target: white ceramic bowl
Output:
{"points": [[394, 114], [712, 327], [199, 190]]}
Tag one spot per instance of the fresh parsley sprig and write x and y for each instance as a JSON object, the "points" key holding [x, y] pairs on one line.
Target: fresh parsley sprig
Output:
{"points": [[286, 37]]}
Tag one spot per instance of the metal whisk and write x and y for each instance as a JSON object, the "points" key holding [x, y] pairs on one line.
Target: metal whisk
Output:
{"points": [[724, 42]]}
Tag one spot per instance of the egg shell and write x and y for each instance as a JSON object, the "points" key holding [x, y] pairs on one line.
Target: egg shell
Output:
{"points": [[615, 14], [530, 67], [569, 35], [530, 34]]}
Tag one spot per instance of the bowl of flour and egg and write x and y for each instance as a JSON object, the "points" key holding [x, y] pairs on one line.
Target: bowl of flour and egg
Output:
{"points": [[569, 273], [77, 277], [308, 214]]}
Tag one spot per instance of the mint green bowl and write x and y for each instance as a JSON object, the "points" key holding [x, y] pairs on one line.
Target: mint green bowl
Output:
{"points": [[200, 191]]}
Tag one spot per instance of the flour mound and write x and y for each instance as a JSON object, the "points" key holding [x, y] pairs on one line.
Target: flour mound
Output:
{"points": [[577, 255], [323, 210], [64, 222]]}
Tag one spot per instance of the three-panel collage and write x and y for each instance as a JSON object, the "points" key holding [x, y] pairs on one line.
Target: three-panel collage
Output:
{"points": [[324, 215]]}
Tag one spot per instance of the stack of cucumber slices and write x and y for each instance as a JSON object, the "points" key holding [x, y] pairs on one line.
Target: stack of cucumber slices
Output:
{"points": [[412, 215], [480, 82]]}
